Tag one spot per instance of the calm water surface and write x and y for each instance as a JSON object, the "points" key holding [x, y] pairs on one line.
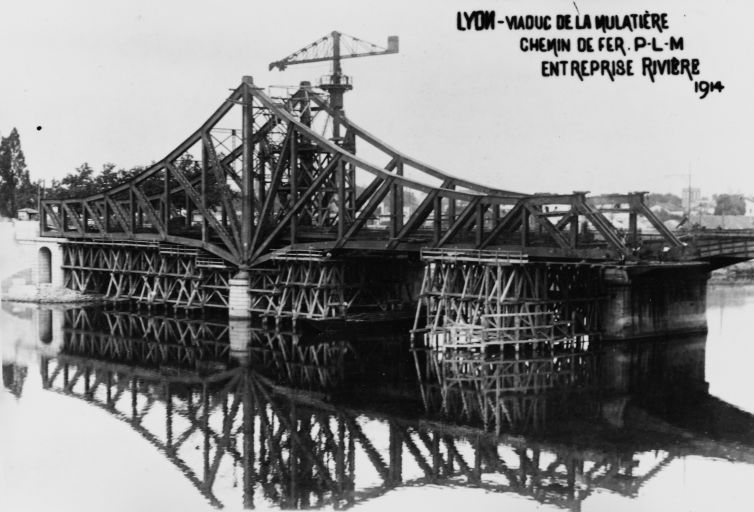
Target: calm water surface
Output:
{"points": [[115, 410]]}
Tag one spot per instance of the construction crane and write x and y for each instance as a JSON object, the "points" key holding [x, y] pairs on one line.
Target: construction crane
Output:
{"points": [[336, 46]]}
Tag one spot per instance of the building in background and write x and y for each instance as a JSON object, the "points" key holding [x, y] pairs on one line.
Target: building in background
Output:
{"points": [[749, 202], [27, 214]]}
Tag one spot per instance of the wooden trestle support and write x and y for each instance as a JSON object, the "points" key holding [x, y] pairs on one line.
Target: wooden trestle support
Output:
{"points": [[149, 273], [317, 285], [306, 284], [494, 331]]}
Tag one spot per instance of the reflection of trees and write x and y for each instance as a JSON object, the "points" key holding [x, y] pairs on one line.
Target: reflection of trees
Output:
{"points": [[14, 376]]}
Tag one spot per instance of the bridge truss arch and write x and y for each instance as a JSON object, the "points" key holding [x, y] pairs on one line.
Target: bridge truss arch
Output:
{"points": [[266, 172]]}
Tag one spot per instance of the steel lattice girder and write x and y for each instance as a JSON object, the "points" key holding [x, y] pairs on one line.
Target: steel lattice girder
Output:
{"points": [[302, 189]]}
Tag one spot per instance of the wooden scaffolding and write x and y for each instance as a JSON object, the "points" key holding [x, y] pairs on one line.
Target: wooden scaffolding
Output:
{"points": [[317, 285], [481, 300], [148, 273]]}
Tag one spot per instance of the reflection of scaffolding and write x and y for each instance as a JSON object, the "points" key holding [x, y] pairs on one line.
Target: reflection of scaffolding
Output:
{"points": [[297, 451], [500, 394], [498, 332], [147, 272], [128, 337], [285, 357]]}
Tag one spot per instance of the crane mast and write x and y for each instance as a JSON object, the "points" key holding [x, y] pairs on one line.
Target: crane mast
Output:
{"points": [[335, 47]]}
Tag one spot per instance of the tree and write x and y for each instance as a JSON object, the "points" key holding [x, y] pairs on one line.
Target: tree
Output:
{"points": [[664, 199], [16, 190], [80, 182], [108, 178], [729, 204]]}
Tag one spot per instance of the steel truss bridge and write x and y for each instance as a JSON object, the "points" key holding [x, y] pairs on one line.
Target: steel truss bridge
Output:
{"points": [[269, 429], [272, 184]]}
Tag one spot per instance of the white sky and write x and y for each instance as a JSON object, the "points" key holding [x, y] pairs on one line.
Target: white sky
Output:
{"points": [[126, 81]]}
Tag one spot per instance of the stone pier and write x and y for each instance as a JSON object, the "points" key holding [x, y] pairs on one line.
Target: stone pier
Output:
{"points": [[239, 298], [645, 301]]}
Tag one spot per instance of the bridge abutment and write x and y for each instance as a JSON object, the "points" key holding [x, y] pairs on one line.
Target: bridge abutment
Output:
{"points": [[43, 256]]}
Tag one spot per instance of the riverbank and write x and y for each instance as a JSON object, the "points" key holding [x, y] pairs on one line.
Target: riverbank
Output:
{"points": [[741, 273], [48, 294]]}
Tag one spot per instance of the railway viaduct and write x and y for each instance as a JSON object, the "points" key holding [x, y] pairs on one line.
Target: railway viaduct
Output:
{"points": [[267, 208]]}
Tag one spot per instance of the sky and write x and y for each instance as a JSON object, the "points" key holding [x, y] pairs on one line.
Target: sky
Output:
{"points": [[126, 82]]}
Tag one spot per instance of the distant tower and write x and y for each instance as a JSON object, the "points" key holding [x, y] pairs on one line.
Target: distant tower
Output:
{"points": [[690, 198]]}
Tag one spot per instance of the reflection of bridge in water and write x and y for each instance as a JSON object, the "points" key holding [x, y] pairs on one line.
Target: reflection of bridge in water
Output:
{"points": [[304, 421]]}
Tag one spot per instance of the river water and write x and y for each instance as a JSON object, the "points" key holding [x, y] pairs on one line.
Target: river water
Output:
{"points": [[105, 409]]}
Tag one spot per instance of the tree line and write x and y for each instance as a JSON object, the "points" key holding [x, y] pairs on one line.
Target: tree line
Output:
{"points": [[16, 189]]}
